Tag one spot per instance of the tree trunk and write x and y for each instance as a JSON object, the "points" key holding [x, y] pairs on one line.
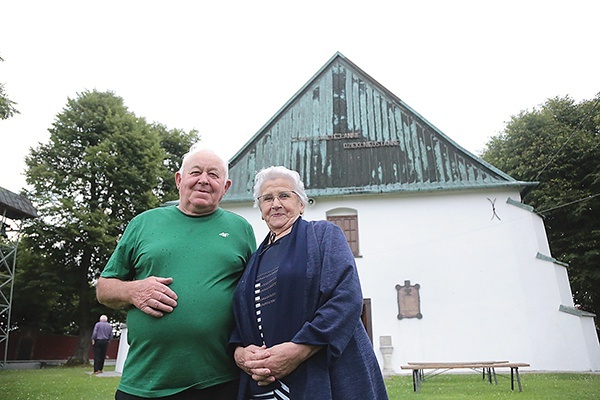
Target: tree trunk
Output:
{"points": [[80, 356]]}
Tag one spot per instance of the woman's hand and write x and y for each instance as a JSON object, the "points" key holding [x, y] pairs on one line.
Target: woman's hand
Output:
{"points": [[278, 361], [284, 358], [250, 359]]}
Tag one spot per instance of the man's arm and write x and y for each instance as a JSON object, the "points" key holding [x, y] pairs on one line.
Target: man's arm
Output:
{"points": [[151, 295]]}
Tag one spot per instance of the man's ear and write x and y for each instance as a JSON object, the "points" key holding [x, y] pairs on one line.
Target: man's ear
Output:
{"points": [[177, 179], [227, 185]]}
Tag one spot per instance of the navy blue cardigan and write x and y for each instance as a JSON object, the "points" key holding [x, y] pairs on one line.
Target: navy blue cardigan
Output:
{"points": [[346, 368]]}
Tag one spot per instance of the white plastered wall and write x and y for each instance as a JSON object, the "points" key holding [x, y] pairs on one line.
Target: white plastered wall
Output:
{"points": [[484, 293]]}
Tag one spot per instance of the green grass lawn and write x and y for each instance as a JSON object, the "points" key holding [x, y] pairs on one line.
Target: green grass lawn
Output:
{"points": [[57, 383], [63, 383], [464, 386]]}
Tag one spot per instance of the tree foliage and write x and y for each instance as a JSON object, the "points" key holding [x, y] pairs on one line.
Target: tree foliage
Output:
{"points": [[558, 145], [101, 167], [7, 106]]}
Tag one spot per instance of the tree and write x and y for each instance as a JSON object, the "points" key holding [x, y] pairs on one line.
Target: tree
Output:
{"points": [[101, 167], [559, 146], [7, 106], [176, 143]]}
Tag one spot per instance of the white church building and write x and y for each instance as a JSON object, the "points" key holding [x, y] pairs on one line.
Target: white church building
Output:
{"points": [[454, 267]]}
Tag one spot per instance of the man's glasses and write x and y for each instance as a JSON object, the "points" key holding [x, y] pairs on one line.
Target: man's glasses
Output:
{"points": [[270, 198]]}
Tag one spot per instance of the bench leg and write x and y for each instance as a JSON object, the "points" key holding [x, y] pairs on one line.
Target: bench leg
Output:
{"points": [[416, 380], [518, 379], [515, 371], [491, 373], [512, 379]]}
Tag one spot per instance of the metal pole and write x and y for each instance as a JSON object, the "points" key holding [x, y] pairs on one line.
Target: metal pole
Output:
{"points": [[4, 260], [7, 300]]}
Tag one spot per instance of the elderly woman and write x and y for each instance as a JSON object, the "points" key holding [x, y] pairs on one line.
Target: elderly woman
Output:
{"points": [[298, 304]]}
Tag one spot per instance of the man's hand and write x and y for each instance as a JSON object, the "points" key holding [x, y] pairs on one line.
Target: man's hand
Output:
{"points": [[151, 295]]}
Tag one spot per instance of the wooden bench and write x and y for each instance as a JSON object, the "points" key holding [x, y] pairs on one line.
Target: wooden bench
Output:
{"points": [[487, 367], [485, 371]]}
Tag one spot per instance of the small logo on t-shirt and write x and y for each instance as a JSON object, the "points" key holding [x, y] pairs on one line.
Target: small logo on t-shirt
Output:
{"points": [[224, 234]]}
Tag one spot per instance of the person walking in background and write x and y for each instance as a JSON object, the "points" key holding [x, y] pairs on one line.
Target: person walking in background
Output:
{"points": [[175, 268], [298, 305], [101, 335]]}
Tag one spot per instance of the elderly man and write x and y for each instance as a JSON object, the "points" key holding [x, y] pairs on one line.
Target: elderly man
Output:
{"points": [[101, 335], [175, 269]]}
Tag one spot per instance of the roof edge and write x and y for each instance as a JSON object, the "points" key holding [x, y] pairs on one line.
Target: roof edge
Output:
{"points": [[336, 192]]}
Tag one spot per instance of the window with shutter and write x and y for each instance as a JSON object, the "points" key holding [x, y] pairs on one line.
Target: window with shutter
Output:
{"points": [[349, 225]]}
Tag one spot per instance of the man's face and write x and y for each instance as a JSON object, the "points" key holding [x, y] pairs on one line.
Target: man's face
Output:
{"points": [[201, 183]]}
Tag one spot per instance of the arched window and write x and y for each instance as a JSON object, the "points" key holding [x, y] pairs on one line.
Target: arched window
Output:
{"points": [[347, 220]]}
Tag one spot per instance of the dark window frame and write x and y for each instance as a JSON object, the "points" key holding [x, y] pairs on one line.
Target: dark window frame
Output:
{"points": [[367, 319], [349, 225]]}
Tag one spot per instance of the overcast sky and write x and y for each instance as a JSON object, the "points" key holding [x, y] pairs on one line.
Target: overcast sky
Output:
{"points": [[226, 67]]}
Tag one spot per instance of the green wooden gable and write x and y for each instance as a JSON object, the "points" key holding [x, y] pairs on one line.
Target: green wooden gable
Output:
{"points": [[347, 134]]}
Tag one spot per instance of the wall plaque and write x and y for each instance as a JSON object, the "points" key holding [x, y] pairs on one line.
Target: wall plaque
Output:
{"points": [[409, 301]]}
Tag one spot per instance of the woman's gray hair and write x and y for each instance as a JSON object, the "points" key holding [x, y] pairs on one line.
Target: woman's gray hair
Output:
{"points": [[198, 146], [270, 173]]}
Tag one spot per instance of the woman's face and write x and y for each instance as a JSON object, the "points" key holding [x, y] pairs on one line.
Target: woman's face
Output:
{"points": [[279, 205]]}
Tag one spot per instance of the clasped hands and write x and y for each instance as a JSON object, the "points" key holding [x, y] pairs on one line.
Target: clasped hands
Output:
{"points": [[265, 365]]}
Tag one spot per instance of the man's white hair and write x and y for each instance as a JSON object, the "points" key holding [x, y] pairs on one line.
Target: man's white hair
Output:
{"points": [[199, 146]]}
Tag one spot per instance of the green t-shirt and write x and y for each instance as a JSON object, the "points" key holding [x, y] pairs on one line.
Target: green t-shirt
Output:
{"points": [[205, 257]]}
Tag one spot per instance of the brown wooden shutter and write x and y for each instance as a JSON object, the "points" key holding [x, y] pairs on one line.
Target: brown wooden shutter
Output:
{"points": [[349, 225]]}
